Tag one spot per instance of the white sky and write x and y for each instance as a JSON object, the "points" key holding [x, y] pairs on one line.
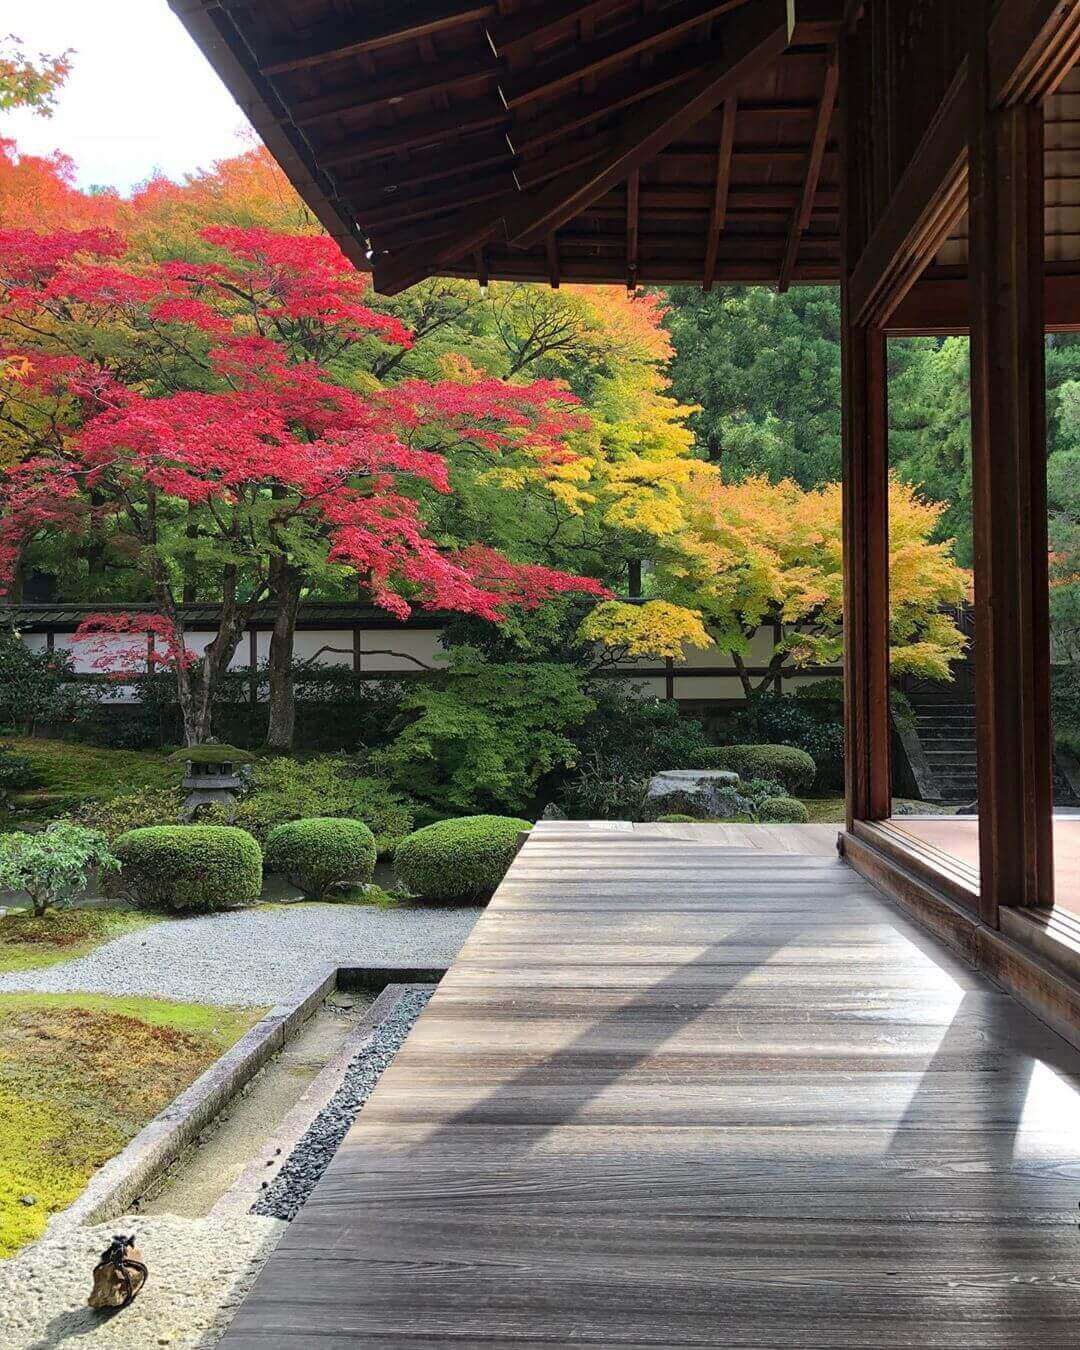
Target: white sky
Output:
{"points": [[140, 97]]}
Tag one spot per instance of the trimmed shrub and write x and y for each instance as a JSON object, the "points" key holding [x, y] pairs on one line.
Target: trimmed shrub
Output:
{"points": [[458, 860], [190, 867], [793, 769], [677, 819], [782, 811], [321, 854]]}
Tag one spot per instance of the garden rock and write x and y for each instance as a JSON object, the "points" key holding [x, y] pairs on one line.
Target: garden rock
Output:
{"points": [[706, 794]]}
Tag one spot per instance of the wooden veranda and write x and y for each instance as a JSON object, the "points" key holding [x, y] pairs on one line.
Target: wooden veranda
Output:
{"points": [[674, 1093]]}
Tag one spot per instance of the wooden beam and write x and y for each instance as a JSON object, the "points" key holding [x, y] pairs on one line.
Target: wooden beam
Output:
{"points": [[801, 220], [404, 173], [1032, 44], [721, 190], [754, 39], [429, 129], [940, 307], [927, 203], [481, 268], [341, 41], [633, 197], [1008, 439], [451, 73], [601, 54], [570, 115], [538, 25]]}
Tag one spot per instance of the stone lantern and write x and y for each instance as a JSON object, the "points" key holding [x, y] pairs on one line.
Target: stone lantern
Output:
{"points": [[213, 775]]}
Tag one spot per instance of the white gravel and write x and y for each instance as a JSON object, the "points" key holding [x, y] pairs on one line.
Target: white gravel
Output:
{"points": [[256, 956], [200, 1270]]}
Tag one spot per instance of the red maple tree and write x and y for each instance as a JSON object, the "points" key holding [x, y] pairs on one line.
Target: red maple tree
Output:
{"points": [[210, 419]]}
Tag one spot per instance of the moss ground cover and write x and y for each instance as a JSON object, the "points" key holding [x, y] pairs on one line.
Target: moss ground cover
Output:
{"points": [[68, 774], [27, 943], [79, 1076]]}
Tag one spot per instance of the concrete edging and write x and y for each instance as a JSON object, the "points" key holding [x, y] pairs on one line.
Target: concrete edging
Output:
{"points": [[127, 1176], [264, 1166]]}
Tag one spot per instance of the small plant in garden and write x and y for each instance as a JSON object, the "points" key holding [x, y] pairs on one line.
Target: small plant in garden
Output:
{"points": [[485, 733], [54, 865], [460, 860], [190, 867], [782, 811], [322, 854]]}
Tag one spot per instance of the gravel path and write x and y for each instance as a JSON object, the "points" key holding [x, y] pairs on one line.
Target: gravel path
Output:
{"points": [[255, 956], [288, 1192], [200, 1270]]}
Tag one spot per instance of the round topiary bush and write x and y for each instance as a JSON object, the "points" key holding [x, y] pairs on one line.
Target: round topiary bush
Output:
{"points": [[459, 860], [678, 819], [322, 853], [196, 867], [782, 811], [783, 764]]}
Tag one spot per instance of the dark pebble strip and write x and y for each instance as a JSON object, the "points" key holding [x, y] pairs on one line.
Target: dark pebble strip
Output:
{"points": [[286, 1195]]}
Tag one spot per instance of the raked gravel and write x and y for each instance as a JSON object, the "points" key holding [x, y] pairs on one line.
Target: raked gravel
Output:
{"points": [[200, 1270], [286, 1195], [255, 956]]}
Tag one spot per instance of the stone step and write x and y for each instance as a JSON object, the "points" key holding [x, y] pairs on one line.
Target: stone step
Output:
{"points": [[948, 744]]}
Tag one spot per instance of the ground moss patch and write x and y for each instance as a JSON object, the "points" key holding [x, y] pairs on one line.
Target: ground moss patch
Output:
{"points": [[67, 774], [28, 942], [79, 1076]]}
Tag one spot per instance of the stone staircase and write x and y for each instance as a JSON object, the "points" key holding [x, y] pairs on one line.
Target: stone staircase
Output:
{"points": [[946, 731]]}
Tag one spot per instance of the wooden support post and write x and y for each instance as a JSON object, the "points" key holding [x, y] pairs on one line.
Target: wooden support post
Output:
{"points": [[865, 424], [868, 732], [1008, 420]]}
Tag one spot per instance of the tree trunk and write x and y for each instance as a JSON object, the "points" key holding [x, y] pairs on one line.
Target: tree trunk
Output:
{"points": [[285, 592]]}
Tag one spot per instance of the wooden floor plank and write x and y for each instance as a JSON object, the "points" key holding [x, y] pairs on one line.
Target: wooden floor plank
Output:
{"points": [[673, 1096]]}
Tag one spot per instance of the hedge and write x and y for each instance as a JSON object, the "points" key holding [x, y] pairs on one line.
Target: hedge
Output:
{"points": [[322, 853], [794, 769], [190, 867], [782, 811], [458, 860]]}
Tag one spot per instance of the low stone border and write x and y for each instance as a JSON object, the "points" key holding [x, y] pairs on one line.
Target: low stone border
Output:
{"points": [[123, 1179], [262, 1169]]}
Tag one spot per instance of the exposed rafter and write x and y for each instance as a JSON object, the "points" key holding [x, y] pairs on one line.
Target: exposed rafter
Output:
{"points": [[802, 216], [413, 133], [722, 190], [753, 38], [536, 26], [340, 41], [614, 95], [602, 54], [453, 73]]}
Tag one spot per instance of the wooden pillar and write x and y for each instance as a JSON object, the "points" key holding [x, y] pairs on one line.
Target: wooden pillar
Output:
{"points": [[865, 423], [866, 575], [1008, 417]]}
